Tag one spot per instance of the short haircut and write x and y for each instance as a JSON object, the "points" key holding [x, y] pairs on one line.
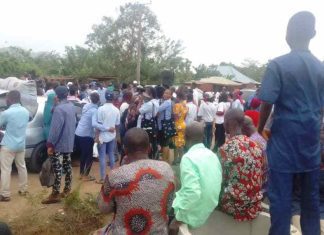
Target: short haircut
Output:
{"points": [[236, 115], [159, 91], [94, 97], [195, 132], [14, 96], [190, 97], [136, 140], [73, 89], [301, 26], [222, 97]]}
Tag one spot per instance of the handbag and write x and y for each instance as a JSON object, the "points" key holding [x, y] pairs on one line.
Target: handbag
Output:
{"points": [[46, 176], [168, 126], [149, 125]]}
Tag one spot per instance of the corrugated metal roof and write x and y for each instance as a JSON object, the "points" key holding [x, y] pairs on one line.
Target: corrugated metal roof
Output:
{"points": [[219, 81], [227, 70]]}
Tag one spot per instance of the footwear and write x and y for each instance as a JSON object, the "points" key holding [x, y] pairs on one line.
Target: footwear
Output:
{"points": [[53, 198], [88, 178], [4, 199], [23, 193], [64, 194]]}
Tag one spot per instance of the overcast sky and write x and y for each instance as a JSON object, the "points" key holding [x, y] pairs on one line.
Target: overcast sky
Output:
{"points": [[211, 30]]}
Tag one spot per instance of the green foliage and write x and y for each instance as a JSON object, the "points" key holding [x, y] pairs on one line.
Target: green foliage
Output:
{"points": [[204, 71], [252, 69]]}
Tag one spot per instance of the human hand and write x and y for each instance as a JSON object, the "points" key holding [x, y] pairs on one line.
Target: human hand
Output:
{"points": [[112, 129]]}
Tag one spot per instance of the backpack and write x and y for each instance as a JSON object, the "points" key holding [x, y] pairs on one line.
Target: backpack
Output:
{"points": [[46, 176]]}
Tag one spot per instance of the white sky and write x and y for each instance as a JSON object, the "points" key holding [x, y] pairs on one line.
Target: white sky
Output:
{"points": [[211, 30]]}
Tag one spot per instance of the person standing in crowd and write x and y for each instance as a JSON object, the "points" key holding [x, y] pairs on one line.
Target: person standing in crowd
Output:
{"points": [[73, 93], [108, 116], [238, 102], [48, 113], [207, 111], [180, 111], [60, 144], [147, 120], [197, 94], [201, 179], [192, 110], [138, 192], [101, 91], [127, 98], [50, 88], [165, 113], [242, 163], [84, 136], [15, 118], [294, 84], [83, 92], [221, 109]]}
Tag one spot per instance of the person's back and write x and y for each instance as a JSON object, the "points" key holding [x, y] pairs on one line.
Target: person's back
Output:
{"points": [[201, 177], [242, 162], [65, 110], [142, 193], [297, 110], [205, 164], [108, 115], [17, 118]]}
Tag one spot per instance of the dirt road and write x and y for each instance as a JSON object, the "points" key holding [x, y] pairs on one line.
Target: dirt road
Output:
{"points": [[17, 205]]}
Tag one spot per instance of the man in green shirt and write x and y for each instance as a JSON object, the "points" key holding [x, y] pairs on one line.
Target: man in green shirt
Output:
{"points": [[201, 178]]}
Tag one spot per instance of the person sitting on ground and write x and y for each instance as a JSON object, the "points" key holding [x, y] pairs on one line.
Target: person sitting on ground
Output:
{"points": [[201, 178], [139, 192], [242, 163], [60, 144]]}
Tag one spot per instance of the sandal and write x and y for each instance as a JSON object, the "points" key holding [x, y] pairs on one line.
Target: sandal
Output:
{"points": [[4, 199], [100, 181]]}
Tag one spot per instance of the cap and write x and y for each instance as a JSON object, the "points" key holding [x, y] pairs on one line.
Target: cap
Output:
{"points": [[62, 92], [109, 95]]}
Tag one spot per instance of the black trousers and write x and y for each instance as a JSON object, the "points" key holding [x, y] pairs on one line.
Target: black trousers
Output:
{"points": [[85, 147], [219, 135]]}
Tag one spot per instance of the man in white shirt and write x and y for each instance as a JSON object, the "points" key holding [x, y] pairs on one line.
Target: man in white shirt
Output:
{"points": [[197, 94], [207, 112], [109, 116], [237, 103], [192, 110], [127, 98], [221, 109]]}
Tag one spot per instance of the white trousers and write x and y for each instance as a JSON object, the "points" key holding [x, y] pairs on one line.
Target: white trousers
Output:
{"points": [[6, 159]]}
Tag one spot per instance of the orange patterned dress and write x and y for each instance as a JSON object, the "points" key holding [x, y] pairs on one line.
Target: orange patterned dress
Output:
{"points": [[180, 111]]}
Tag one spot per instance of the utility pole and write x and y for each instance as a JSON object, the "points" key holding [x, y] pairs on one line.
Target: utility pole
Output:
{"points": [[139, 52], [139, 46]]}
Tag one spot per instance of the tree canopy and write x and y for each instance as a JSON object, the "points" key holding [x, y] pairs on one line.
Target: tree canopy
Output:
{"points": [[111, 48]]}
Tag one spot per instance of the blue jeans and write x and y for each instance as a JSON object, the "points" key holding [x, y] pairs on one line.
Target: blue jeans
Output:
{"points": [[280, 196], [104, 150], [208, 134]]}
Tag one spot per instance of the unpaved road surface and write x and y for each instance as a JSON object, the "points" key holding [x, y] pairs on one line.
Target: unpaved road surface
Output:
{"points": [[18, 204]]}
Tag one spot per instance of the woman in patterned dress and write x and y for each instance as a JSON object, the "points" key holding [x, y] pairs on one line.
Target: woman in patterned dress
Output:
{"points": [[242, 162], [180, 111]]}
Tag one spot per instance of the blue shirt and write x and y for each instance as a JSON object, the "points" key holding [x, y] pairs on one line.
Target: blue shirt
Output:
{"points": [[61, 134], [15, 119], [294, 83], [85, 127], [165, 112]]}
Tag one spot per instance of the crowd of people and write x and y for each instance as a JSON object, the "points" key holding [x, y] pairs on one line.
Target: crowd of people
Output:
{"points": [[225, 158]]}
